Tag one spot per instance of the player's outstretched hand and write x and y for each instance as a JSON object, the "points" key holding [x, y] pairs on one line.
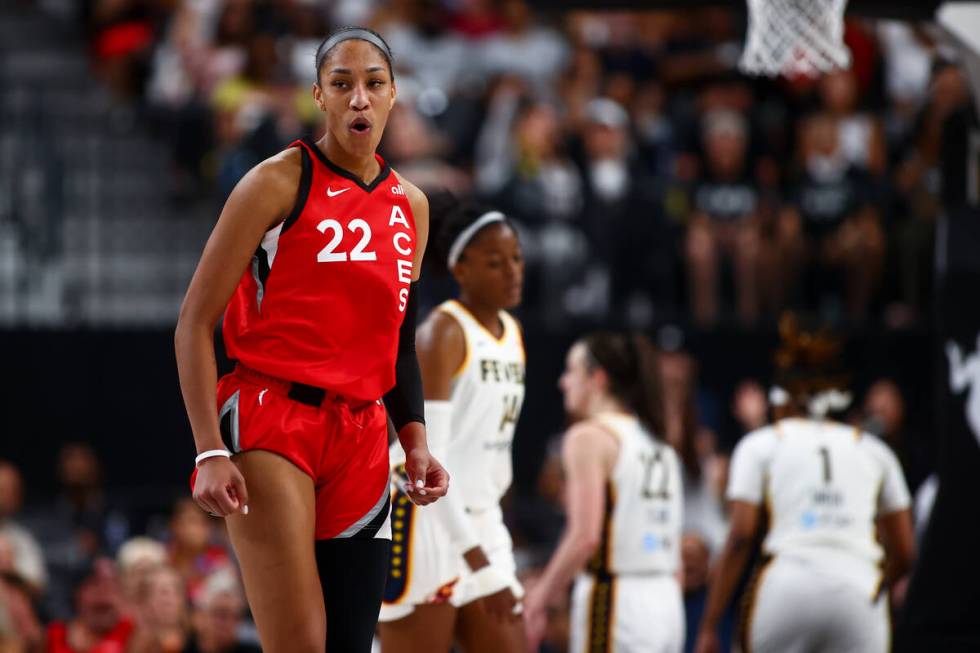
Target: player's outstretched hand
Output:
{"points": [[219, 488], [427, 478]]}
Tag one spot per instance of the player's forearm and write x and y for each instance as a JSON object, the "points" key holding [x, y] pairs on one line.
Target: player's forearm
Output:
{"points": [[197, 369], [572, 554], [729, 566], [412, 436]]}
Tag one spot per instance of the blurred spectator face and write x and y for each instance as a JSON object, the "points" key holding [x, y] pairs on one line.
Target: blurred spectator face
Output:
{"points": [[516, 14], [577, 382], [356, 92], [839, 91], [137, 558], [537, 131], [189, 527], [884, 404], [408, 138], [163, 600], [78, 467], [605, 134], [725, 143], [97, 599], [676, 369], [821, 152], [216, 620], [262, 58], [750, 405], [236, 23], [11, 491]]}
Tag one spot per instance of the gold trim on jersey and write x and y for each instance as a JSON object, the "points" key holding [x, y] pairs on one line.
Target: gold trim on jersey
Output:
{"points": [[503, 336], [466, 343], [400, 559], [601, 561], [602, 610], [749, 602]]}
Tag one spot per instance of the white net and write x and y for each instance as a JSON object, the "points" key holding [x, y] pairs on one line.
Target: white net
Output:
{"points": [[795, 37]]}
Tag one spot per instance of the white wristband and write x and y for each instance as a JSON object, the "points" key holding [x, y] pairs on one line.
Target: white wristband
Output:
{"points": [[211, 453], [486, 581]]}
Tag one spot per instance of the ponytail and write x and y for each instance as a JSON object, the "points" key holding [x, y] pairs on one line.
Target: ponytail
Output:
{"points": [[630, 362]]}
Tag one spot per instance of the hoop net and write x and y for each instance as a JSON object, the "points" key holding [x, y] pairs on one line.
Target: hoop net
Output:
{"points": [[795, 37]]}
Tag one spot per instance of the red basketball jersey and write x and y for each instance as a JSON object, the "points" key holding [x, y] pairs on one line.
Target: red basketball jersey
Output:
{"points": [[325, 294]]}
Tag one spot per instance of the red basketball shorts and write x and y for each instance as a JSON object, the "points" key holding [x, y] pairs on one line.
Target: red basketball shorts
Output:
{"points": [[341, 444]]}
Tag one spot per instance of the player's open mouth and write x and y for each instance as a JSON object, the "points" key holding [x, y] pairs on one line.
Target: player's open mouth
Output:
{"points": [[360, 126]]}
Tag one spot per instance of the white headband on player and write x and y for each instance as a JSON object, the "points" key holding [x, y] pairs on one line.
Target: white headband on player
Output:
{"points": [[463, 239]]}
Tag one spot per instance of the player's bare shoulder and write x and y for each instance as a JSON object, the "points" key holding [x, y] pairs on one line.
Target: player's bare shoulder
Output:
{"points": [[441, 332], [270, 189], [590, 438]]}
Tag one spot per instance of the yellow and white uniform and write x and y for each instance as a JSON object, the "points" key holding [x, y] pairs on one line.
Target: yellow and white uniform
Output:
{"points": [[628, 600], [823, 485], [487, 393]]}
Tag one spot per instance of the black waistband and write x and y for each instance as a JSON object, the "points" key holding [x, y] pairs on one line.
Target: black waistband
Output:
{"points": [[306, 394]]}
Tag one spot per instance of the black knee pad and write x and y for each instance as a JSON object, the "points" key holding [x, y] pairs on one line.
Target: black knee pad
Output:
{"points": [[352, 576]]}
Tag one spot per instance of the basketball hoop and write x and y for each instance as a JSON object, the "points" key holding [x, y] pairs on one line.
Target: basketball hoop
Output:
{"points": [[795, 37]]}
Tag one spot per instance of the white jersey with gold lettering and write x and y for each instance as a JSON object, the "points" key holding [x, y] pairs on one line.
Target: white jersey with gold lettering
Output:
{"points": [[487, 394], [629, 600], [486, 397]]}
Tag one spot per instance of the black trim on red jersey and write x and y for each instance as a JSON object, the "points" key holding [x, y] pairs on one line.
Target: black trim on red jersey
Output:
{"points": [[346, 174], [303, 192]]}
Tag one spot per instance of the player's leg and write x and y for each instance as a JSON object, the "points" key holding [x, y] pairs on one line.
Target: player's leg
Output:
{"points": [[746, 259], [702, 269], [427, 629], [352, 577], [480, 632], [274, 546]]}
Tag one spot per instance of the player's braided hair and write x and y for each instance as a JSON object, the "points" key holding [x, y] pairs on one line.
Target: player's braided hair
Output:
{"points": [[630, 362], [807, 362]]}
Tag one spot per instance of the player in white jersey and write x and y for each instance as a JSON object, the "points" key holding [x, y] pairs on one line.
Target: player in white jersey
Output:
{"points": [[452, 575], [624, 507], [830, 491]]}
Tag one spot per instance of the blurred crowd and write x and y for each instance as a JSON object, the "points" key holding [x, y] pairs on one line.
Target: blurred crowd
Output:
{"points": [[85, 571], [653, 179]]}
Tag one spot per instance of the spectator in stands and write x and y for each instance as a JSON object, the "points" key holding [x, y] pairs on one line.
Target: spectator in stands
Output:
{"points": [[832, 226], [621, 218], [860, 134], [884, 416], [78, 526], [725, 223], [750, 407], [193, 550], [137, 557], [26, 558], [161, 613], [217, 617], [523, 48], [99, 624]]}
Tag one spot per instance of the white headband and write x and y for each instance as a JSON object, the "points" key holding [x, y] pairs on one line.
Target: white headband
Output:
{"points": [[463, 239]]}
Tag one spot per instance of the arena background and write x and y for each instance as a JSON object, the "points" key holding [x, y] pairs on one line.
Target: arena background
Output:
{"points": [[122, 129]]}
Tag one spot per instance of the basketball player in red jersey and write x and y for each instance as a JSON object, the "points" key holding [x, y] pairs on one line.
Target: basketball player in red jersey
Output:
{"points": [[314, 262]]}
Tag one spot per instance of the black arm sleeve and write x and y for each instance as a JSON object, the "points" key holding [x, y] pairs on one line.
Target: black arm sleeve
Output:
{"points": [[405, 402]]}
